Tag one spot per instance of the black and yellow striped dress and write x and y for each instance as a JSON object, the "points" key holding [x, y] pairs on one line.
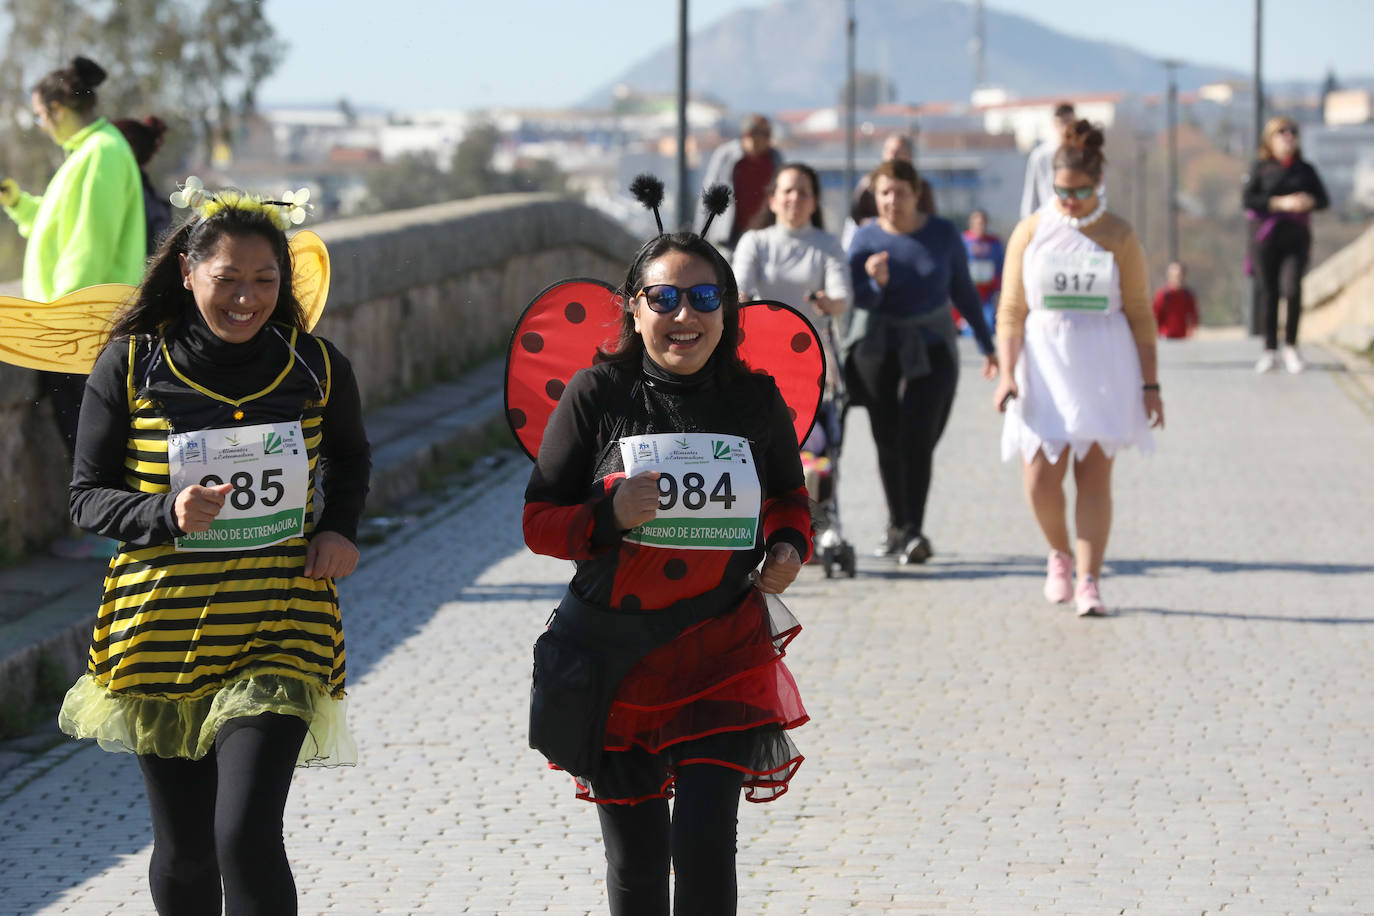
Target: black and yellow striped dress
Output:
{"points": [[185, 641]]}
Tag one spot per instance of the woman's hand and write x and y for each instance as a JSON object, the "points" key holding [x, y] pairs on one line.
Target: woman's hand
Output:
{"points": [[196, 507], [636, 500], [330, 556], [9, 192], [877, 268], [1006, 390], [780, 567], [989, 367], [1154, 409], [825, 305]]}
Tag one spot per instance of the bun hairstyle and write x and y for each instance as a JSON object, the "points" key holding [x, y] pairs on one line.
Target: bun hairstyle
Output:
{"points": [[145, 137], [1080, 149], [72, 87]]}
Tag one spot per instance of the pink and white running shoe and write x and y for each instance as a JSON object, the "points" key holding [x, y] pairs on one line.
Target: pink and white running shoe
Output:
{"points": [[1088, 600], [1058, 577]]}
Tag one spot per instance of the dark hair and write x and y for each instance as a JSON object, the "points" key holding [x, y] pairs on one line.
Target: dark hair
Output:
{"points": [[1081, 150], [766, 217], [72, 87], [145, 137], [1064, 111], [162, 298], [899, 170], [629, 347]]}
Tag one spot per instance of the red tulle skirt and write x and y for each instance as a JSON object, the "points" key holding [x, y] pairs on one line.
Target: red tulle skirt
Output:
{"points": [[717, 694]]}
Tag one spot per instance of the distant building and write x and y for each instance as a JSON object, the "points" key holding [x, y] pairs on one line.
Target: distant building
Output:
{"points": [[1348, 106], [1031, 121]]}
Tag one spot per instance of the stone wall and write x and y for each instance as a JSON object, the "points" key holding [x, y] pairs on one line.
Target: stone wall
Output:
{"points": [[1338, 296], [416, 296]]}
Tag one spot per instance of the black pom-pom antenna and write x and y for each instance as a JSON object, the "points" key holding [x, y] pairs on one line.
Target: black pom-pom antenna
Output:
{"points": [[716, 199], [648, 190]]}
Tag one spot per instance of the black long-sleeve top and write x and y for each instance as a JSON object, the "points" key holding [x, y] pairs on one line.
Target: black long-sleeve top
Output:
{"points": [[102, 502], [1270, 178], [569, 510]]}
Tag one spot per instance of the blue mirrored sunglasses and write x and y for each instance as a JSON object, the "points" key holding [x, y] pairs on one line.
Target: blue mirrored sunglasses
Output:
{"points": [[704, 297], [1080, 193]]}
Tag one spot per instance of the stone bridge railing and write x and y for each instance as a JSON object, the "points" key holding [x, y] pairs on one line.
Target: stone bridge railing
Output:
{"points": [[416, 297], [1338, 296]]}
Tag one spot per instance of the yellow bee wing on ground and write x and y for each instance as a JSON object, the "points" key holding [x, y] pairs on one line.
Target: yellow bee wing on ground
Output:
{"points": [[61, 336], [310, 263]]}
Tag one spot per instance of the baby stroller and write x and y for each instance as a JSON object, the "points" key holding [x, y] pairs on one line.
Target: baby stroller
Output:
{"points": [[820, 455]]}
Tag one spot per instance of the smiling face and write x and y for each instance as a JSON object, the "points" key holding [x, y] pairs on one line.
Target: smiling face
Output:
{"points": [[793, 200], [1074, 179], [236, 286], [680, 341]]}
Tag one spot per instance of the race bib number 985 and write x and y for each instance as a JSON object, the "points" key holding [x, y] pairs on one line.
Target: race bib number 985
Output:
{"points": [[267, 469], [708, 490]]}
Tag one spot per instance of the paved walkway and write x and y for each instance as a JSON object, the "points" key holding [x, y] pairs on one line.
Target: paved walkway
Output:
{"points": [[973, 749]]}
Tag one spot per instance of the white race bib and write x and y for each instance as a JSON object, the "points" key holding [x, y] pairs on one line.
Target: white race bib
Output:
{"points": [[269, 470], [1076, 280], [982, 270], [709, 496]]}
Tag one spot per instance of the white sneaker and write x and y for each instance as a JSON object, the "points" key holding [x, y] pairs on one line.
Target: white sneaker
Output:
{"points": [[1292, 361], [1268, 362]]}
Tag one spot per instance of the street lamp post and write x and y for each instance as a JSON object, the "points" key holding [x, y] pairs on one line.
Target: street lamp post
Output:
{"points": [[1251, 305], [684, 193], [850, 97], [1170, 66]]}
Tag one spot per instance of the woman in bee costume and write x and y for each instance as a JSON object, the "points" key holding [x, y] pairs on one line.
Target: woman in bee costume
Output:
{"points": [[213, 427]]}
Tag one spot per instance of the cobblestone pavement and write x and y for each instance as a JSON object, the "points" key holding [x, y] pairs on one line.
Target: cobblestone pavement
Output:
{"points": [[973, 749]]}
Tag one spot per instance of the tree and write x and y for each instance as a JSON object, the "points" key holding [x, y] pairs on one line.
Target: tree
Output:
{"points": [[196, 64], [412, 180]]}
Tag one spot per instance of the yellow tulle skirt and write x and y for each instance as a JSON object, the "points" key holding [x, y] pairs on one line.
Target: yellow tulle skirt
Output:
{"points": [[186, 727]]}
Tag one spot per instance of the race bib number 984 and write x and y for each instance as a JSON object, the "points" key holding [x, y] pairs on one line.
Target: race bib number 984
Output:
{"points": [[708, 490], [267, 469]]}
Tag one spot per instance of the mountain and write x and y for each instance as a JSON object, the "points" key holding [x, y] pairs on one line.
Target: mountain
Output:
{"points": [[791, 54]]}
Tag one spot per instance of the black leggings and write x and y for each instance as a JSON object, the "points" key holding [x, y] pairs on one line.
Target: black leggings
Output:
{"points": [[1281, 260], [908, 418], [219, 820], [699, 840]]}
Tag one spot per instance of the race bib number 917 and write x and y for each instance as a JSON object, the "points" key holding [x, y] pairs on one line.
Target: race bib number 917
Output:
{"points": [[708, 490], [267, 469], [1076, 280]]}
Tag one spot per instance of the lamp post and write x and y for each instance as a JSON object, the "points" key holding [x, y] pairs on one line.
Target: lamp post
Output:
{"points": [[684, 193], [850, 97], [1170, 66], [1252, 308]]}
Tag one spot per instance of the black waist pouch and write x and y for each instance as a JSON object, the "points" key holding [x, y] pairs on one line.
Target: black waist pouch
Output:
{"points": [[579, 662]]}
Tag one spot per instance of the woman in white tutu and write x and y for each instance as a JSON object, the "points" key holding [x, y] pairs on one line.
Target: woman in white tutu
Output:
{"points": [[1074, 323]]}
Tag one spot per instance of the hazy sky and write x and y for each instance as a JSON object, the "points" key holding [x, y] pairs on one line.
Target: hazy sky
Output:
{"points": [[473, 53]]}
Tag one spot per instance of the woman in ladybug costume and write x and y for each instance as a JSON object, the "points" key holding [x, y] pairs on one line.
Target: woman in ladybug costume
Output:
{"points": [[667, 472]]}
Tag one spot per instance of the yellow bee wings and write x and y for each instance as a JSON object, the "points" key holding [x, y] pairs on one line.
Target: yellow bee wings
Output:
{"points": [[66, 335]]}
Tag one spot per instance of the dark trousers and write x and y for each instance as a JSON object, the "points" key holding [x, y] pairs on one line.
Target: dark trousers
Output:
{"points": [[217, 822], [908, 417], [1280, 262], [65, 391], [698, 839]]}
